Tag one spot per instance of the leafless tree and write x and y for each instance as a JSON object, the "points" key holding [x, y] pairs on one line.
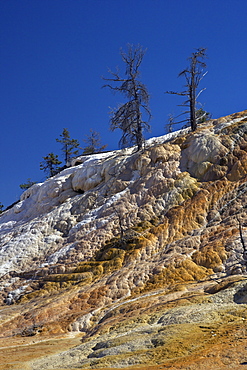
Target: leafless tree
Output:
{"points": [[128, 116], [193, 76], [93, 142], [170, 123]]}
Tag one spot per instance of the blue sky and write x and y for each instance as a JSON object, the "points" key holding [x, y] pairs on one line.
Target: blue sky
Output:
{"points": [[54, 52]]}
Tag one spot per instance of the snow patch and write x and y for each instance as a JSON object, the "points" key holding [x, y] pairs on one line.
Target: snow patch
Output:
{"points": [[14, 295], [53, 258]]}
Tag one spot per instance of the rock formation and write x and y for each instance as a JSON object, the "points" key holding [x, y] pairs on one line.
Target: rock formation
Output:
{"points": [[132, 258]]}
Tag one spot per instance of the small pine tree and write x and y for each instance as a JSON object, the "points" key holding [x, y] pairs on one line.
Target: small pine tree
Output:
{"points": [[1, 208], [202, 115], [93, 142], [28, 184], [69, 146], [50, 164]]}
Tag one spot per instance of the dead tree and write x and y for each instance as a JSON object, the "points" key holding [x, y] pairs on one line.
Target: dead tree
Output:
{"points": [[193, 75], [242, 241], [128, 116], [93, 142], [120, 218], [169, 125]]}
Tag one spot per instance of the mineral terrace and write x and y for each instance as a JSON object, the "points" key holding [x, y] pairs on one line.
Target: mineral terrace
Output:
{"points": [[132, 259]]}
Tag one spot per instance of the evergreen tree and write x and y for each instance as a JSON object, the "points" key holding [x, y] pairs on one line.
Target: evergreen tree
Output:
{"points": [[202, 115], [93, 142], [1, 208], [69, 146], [28, 184], [128, 116], [50, 164]]}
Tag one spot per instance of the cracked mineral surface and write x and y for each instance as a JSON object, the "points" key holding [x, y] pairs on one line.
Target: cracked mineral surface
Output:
{"points": [[132, 259]]}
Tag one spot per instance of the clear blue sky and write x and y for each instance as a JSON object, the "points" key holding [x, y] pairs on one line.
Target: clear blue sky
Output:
{"points": [[54, 52]]}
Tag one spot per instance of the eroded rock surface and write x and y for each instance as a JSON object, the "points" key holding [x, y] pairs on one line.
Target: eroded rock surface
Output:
{"points": [[128, 249]]}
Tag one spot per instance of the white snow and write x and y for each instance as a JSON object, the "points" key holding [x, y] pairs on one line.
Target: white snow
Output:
{"points": [[27, 230], [15, 294], [7, 226], [222, 125], [6, 267], [53, 258], [163, 139], [34, 226]]}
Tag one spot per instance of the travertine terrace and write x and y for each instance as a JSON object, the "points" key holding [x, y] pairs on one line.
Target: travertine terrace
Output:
{"points": [[132, 259]]}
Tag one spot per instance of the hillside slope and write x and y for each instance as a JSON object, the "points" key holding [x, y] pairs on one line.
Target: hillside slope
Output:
{"points": [[132, 258]]}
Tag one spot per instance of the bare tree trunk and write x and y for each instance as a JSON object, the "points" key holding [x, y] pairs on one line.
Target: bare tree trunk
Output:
{"points": [[193, 108], [242, 241], [139, 137], [192, 93], [193, 76]]}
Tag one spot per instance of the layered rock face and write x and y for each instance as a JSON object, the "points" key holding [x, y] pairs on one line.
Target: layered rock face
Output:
{"points": [[140, 255]]}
